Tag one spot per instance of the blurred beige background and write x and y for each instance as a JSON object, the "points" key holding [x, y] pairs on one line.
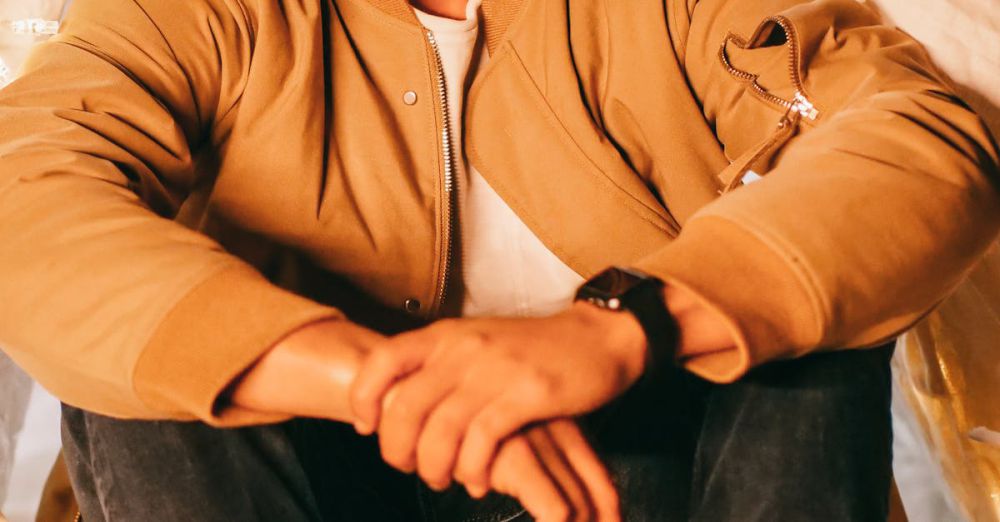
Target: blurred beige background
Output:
{"points": [[23, 473]]}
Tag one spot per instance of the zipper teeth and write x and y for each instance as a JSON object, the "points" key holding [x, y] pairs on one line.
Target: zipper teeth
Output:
{"points": [[448, 154], [751, 80], [801, 103], [793, 51]]}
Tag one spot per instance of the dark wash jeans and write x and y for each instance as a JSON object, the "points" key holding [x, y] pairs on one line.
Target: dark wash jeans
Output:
{"points": [[803, 440]]}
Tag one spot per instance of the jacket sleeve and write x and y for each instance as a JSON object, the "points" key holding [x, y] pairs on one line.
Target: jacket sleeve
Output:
{"points": [[107, 300], [867, 217]]}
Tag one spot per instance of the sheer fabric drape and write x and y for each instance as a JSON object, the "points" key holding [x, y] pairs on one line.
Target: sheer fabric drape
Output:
{"points": [[948, 368]]}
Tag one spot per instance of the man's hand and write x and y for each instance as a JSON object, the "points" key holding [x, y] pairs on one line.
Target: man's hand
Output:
{"points": [[550, 468], [482, 380], [556, 476]]}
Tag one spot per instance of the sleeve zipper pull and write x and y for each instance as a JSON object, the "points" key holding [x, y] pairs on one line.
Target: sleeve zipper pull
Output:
{"points": [[803, 106]]}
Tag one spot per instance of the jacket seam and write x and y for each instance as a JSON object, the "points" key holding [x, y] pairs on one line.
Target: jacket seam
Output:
{"points": [[606, 81], [221, 115], [565, 136], [177, 61], [89, 48], [252, 37], [208, 275]]}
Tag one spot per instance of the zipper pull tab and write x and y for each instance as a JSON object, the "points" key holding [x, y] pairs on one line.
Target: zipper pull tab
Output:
{"points": [[790, 118], [804, 107]]}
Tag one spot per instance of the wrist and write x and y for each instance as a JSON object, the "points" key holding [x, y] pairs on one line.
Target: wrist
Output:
{"points": [[640, 296], [309, 372], [624, 334], [702, 329]]}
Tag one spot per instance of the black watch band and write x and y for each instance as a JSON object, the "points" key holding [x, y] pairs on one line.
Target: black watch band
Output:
{"points": [[625, 289]]}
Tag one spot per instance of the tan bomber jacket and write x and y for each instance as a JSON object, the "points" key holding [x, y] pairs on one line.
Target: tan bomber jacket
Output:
{"points": [[182, 183]]}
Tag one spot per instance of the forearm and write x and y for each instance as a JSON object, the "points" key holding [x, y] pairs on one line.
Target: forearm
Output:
{"points": [[702, 330], [308, 373]]}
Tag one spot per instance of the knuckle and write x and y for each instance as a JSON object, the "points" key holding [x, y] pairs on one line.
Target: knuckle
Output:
{"points": [[465, 474], [434, 450], [429, 464], [468, 470], [475, 340], [446, 426], [361, 396], [365, 387], [518, 446], [463, 344], [536, 386], [383, 359], [402, 408], [485, 428]]}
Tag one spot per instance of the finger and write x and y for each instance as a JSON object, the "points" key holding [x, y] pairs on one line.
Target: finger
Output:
{"points": [[383, 367], [588, 467], [439, 442], [565, 477], [520, 474], [403, 416], [495, 422]]}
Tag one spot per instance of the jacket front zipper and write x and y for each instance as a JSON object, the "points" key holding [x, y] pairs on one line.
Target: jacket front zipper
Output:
{"points": [[450, 184]]}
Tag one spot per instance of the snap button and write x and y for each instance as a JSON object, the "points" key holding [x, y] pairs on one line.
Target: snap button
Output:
{"points": [[410, 98], [411, 305]]}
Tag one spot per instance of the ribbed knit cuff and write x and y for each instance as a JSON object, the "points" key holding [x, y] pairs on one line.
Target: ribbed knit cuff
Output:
{"points": [[211, 337], [758, 291]]}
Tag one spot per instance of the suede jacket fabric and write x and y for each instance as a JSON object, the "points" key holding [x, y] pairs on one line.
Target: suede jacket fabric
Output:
{"points": [[184, 183]]}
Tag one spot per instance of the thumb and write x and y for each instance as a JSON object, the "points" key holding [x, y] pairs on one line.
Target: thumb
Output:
{"points": [[383, 366]]}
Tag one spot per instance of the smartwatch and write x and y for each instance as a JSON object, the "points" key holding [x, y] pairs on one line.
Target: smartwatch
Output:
{"points": [[629, 290]]}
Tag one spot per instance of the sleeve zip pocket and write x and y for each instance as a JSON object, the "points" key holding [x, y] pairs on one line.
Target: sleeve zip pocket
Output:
{"points": [[800, 107]]}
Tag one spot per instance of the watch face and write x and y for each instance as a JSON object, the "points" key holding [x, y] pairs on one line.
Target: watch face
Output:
{"points": [[641, 295]]}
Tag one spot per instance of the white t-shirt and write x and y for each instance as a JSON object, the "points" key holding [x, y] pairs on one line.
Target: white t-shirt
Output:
{"points": [[506, 270]]}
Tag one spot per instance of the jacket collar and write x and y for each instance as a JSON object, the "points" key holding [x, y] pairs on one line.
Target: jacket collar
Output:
{"points": [[397, 8], [497, 16]]}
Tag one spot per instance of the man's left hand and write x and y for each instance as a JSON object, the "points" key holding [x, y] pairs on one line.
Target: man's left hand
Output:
{"points": [[444, 397]]}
